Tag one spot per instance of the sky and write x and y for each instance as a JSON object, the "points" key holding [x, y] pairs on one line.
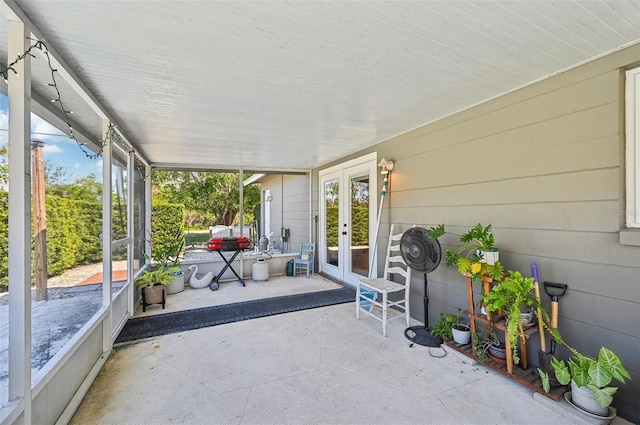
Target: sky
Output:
{"points": [[59, 149]]}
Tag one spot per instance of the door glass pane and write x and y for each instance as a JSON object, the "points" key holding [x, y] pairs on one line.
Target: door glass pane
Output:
{"points": [[331, 192], [360, 225]]}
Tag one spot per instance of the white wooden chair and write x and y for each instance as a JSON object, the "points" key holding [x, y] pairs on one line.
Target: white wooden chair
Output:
{"points": [[371, 293]]}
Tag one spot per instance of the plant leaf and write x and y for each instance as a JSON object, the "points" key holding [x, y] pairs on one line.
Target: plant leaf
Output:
{"points": [[612, 363], [436, 231], [600, 376], [544, 376], [603, 396], [463, 265], [496, 271], [561, 371], [451, 258], [580, 373], [475, 268]]}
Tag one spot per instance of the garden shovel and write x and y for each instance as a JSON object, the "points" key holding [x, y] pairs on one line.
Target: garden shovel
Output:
{"points": [[555, 291]]}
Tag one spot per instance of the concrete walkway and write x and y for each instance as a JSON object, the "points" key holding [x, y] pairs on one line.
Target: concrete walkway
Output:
{"points": [[317, 366]]}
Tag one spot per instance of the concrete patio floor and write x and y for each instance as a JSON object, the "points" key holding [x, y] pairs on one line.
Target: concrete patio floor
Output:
{"points": [[318, 366]]}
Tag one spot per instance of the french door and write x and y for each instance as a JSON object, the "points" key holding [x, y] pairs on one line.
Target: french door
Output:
{"points": [[347, 219]]}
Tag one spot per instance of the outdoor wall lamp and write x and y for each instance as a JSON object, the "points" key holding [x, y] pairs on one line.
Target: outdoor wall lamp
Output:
{"points": [[385, 165]]}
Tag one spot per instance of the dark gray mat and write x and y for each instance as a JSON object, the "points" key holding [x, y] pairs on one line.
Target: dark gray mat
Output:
{"points": [[180, 321]]}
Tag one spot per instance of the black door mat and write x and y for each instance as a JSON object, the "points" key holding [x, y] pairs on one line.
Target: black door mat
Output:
{"points": [[187, 320]]}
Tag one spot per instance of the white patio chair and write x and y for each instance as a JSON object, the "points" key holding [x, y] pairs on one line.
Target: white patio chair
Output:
{"points": [[371, 293]]}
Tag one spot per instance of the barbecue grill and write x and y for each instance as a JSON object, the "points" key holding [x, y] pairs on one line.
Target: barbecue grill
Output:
{"points": [[236, 244]]}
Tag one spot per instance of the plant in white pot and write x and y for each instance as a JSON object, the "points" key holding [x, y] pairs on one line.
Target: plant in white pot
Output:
{"points": [[450, 326], [165, 255], [477, 257], [590, 378]]}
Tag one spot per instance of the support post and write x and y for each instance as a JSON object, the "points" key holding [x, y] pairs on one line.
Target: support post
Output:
{"points": [[241, 215], [19, 94], [106, 235], [131, 162]]}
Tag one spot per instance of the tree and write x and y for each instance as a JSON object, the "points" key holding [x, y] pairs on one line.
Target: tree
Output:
{"points": [[82, 189], [215, 197], [4, 168]]}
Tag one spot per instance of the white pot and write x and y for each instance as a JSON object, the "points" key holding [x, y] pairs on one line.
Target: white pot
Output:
{"points": [[176, 285], [583, 397], [461, 337], [489, 257]]}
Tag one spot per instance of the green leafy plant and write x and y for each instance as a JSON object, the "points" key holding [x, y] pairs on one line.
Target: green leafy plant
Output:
{"points": [[165, 265], [444, 327], [166, 254], [468, 257], [593, 373], [481, 344], [511, 295], [153, 277]]}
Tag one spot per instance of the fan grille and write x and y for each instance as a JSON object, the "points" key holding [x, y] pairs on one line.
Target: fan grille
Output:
{"points": [[419, 251]]}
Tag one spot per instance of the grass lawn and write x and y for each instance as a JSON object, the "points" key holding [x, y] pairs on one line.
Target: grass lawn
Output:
{"points": [[197, 236]]}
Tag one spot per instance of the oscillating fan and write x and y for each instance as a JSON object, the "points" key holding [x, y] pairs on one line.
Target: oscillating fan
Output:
{"points": [[422, 254]]}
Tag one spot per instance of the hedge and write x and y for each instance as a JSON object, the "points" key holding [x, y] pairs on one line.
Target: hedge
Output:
{"points": [[4, 239], [73, 234], [74, 229], [360, 227], [166, 220]]}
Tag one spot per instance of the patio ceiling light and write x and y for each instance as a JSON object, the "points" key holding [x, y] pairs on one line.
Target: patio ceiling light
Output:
{"points": [[385, 165]]}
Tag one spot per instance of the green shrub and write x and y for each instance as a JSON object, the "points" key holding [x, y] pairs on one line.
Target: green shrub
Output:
{"points": [[62, 240], [166, 220], [4, 240]]}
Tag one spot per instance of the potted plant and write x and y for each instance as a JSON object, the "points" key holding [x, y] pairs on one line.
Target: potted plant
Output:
{"points": [[165, 255], [450, 326], [488, 347], [461, 333], [153, 283], [590, 378], [477, 255], [513, 296]]}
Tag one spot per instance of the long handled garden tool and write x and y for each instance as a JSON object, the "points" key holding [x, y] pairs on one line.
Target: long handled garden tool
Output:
{"points": [[543, 358], [555, 291], [536, 287], [385, 182]]}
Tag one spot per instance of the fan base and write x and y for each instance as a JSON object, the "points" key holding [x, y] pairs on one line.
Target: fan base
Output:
{"points": [[421, 336]]}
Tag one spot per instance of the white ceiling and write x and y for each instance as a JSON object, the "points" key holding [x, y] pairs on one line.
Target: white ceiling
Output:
{"points": [[294, 85]]}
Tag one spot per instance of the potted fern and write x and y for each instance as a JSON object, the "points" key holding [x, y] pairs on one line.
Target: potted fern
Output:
{"points": [[512, 295]]}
